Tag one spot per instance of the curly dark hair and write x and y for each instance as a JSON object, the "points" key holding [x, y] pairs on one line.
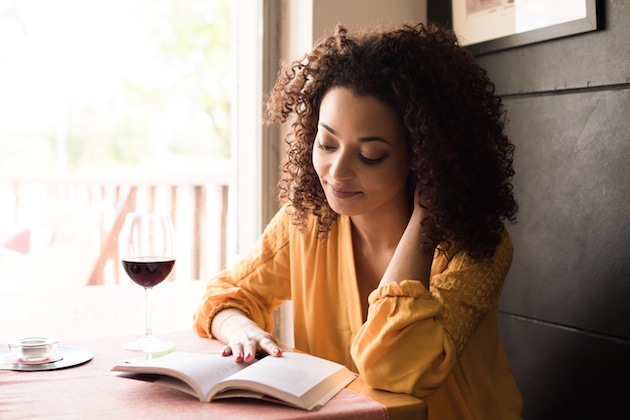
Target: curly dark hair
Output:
{"points": [[461, 155]]}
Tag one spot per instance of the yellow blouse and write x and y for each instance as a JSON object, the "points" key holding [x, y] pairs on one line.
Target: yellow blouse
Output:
{"points": [[440, 345]]}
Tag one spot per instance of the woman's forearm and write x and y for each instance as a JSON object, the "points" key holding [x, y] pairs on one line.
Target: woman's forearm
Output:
{"points": [[413, 257]]}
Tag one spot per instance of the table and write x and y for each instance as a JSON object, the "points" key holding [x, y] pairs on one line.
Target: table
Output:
{"points": [[86, 392]]}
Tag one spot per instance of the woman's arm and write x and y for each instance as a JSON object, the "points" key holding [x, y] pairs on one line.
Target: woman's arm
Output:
{"points": [[413, 337], [238, 303], [414, 252]]}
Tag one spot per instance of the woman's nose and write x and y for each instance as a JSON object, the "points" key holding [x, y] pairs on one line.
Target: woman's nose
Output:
{"points": [[341, 168]]}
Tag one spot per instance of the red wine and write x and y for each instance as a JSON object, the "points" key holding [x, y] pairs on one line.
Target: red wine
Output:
{"points": [[148, 271]]}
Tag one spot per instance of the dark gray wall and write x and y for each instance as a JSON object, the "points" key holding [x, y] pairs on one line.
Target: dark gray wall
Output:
{"points": [[565, 309]]}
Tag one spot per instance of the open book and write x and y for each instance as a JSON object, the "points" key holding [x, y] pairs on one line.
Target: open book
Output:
{"points": [[295, 379]]}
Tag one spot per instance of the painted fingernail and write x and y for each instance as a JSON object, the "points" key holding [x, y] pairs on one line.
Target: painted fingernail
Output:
{"points": [[248, 356], [238, 357], [277, 351]]}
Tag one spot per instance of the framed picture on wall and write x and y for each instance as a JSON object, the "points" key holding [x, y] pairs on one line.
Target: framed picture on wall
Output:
{"points": [[489, 25]]}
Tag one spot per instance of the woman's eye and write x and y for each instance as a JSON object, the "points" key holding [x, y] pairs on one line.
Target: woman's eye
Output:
{"points": [[324, 147], [371, 161]]}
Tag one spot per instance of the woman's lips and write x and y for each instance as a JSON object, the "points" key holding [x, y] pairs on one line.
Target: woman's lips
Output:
{"points": [[340, 193]]}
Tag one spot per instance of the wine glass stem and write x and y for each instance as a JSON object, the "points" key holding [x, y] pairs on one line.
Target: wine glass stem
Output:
{"points": [[147, 295]]}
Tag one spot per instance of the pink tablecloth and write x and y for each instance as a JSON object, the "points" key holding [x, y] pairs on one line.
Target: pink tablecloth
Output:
{"points": [[86, 392]]}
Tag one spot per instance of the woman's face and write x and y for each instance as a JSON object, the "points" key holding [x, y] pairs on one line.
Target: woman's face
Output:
{"points": [[361, 154]]}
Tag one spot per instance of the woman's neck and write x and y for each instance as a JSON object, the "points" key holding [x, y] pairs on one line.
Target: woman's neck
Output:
{"points": [[380, 230]]}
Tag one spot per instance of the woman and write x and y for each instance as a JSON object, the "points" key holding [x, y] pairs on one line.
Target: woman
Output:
{"points": [[391, 242]]}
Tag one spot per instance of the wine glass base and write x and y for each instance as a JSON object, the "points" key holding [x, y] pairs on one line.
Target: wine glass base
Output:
{"points": [[149, 345]]}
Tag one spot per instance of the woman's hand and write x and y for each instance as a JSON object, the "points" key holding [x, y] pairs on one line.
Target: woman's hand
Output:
{"points": [[242, 336]]}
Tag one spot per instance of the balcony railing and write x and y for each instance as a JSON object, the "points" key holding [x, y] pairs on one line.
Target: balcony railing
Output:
{"points": [[72, 222]]}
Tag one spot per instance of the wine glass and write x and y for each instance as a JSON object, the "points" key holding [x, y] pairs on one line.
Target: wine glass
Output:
{"points": [[147, 251]]}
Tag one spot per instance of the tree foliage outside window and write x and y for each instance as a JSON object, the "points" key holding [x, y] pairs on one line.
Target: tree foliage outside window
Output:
{"points": [[88, 86]]}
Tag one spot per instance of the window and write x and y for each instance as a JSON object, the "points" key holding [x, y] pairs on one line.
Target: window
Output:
{"points": [[105, 107]]}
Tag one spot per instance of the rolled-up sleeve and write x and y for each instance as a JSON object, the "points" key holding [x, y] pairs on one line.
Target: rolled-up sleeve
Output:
{"points": [[256, 285], [413, 337]]}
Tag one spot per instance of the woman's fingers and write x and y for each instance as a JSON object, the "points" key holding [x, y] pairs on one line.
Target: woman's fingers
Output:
{"points": [[246, 351], [249, 351], [237, 351], [246, 339], [270, 346]]}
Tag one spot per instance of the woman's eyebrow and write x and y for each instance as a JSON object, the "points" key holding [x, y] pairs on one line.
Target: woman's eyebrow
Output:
{"points": [[361, 139], [329, 129]]}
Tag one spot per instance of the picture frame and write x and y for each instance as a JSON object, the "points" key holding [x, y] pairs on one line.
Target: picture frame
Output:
{"points": [[485, 26]]}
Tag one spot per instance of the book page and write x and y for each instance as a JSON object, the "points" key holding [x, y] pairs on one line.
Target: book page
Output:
{"points": [[200, 371], [292, 373]]}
